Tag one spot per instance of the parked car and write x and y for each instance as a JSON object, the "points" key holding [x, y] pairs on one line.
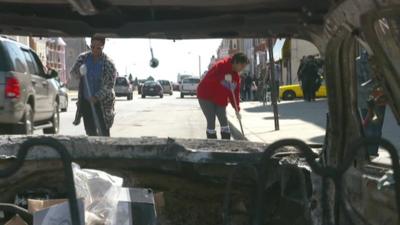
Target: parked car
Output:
{"points": [[140, 85], [123, 88], [176, 86], [290, 92], [29, 97], [63, 95], [167, 86], [152, 88], [189, 86]]}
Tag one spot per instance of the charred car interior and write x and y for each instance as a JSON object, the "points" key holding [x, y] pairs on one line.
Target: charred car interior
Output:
{"points": [[220, 182]]}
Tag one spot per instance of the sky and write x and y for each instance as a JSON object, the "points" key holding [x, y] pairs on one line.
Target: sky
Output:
{"points": [[132, 56], [182, 56]]}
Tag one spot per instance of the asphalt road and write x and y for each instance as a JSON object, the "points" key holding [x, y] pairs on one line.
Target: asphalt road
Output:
{"points": [[170, 116], [174, 117]]}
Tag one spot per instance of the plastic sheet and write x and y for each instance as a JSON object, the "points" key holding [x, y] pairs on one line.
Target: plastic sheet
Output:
{"points": [[100, 192]]}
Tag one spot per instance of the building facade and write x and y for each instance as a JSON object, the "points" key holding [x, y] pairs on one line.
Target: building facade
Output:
{"points": [[75, 46], [56, 57], [293, 51]]}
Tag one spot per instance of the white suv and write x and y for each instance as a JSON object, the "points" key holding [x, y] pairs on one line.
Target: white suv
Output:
{"points": [[189, 86]]}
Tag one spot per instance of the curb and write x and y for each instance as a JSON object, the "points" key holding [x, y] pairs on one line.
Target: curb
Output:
{"points": [[236, 133]]}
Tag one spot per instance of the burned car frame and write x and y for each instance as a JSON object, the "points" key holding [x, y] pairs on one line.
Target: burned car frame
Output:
{"points": [[285, 187]]}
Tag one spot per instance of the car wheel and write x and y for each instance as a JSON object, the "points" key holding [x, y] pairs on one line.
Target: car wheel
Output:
{"points": [[27, 122], [182, 95], [289, 95], [55, 119]]}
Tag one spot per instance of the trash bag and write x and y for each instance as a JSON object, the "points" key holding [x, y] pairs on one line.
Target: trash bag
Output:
{"points": [[100, 192]]}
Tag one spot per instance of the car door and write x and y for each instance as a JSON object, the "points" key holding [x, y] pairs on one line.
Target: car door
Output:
{"points": [[40, 86], [322, 90], [51, 89]]}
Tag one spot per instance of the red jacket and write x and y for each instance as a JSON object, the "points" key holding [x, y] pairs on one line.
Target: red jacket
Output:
{"points": [[213, 86]]}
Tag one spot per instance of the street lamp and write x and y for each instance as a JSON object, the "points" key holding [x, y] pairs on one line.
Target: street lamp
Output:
{"points": [[189, 53]]}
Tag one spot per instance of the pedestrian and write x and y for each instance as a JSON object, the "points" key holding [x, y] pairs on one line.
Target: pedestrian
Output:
{"points": [[277, 68], [220, 86], [99, 89], [371, 101], [248, 82], [308, 74], [373, 120], [364, 89]]}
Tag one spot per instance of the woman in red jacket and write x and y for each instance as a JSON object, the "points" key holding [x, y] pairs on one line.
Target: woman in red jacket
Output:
{"points": [[220, 86]]}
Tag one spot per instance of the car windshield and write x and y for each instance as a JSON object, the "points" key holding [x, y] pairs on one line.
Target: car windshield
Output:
{"points": [[191, 81]]}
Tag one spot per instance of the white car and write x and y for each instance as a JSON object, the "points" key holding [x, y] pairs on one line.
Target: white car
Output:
{"points": [[189, 86], [167, 87], [123, 88]]}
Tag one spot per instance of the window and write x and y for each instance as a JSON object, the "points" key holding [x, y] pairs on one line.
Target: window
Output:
{"points": [[3, 60], [37, 63], [150, 83], [194, 81], [191, 81], [377, 120], [30, 62], [16, 56], [121, 81]]}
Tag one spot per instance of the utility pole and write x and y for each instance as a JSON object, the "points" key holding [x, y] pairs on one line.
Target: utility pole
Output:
{"points": [[254, 58], [199, 66], [273, 84]]}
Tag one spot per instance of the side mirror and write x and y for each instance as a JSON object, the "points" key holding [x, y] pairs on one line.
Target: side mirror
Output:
{"points": [[52, 74]]}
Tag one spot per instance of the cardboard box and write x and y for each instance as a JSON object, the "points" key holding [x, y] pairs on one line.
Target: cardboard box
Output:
{"points": [[53, 212], [35, 205], [16, 220]]}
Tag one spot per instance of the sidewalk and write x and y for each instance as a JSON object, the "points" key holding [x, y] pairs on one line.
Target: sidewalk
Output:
{"points": [[302, 120], [297, 119]]}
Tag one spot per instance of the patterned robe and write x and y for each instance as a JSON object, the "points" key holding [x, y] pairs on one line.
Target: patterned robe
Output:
{"points": [[106, 94]]}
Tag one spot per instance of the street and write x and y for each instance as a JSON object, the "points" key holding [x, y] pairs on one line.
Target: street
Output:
{"points": [[170, 116], [174, 117]]}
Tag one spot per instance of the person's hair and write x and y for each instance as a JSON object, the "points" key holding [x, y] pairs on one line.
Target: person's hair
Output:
{"points": [[240, 58], [100, 38]]}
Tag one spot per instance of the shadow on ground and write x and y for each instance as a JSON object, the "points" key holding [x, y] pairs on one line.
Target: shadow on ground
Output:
{"points": [[310, 112]]}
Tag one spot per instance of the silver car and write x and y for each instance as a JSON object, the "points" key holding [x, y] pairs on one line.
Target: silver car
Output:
{"points": [[123, 88], [29, 98], [167, 87]]}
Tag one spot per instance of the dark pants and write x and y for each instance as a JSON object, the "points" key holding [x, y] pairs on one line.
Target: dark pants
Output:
{"points": [[88, 119], [212, 110], [308, 90], [247, 93]]}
